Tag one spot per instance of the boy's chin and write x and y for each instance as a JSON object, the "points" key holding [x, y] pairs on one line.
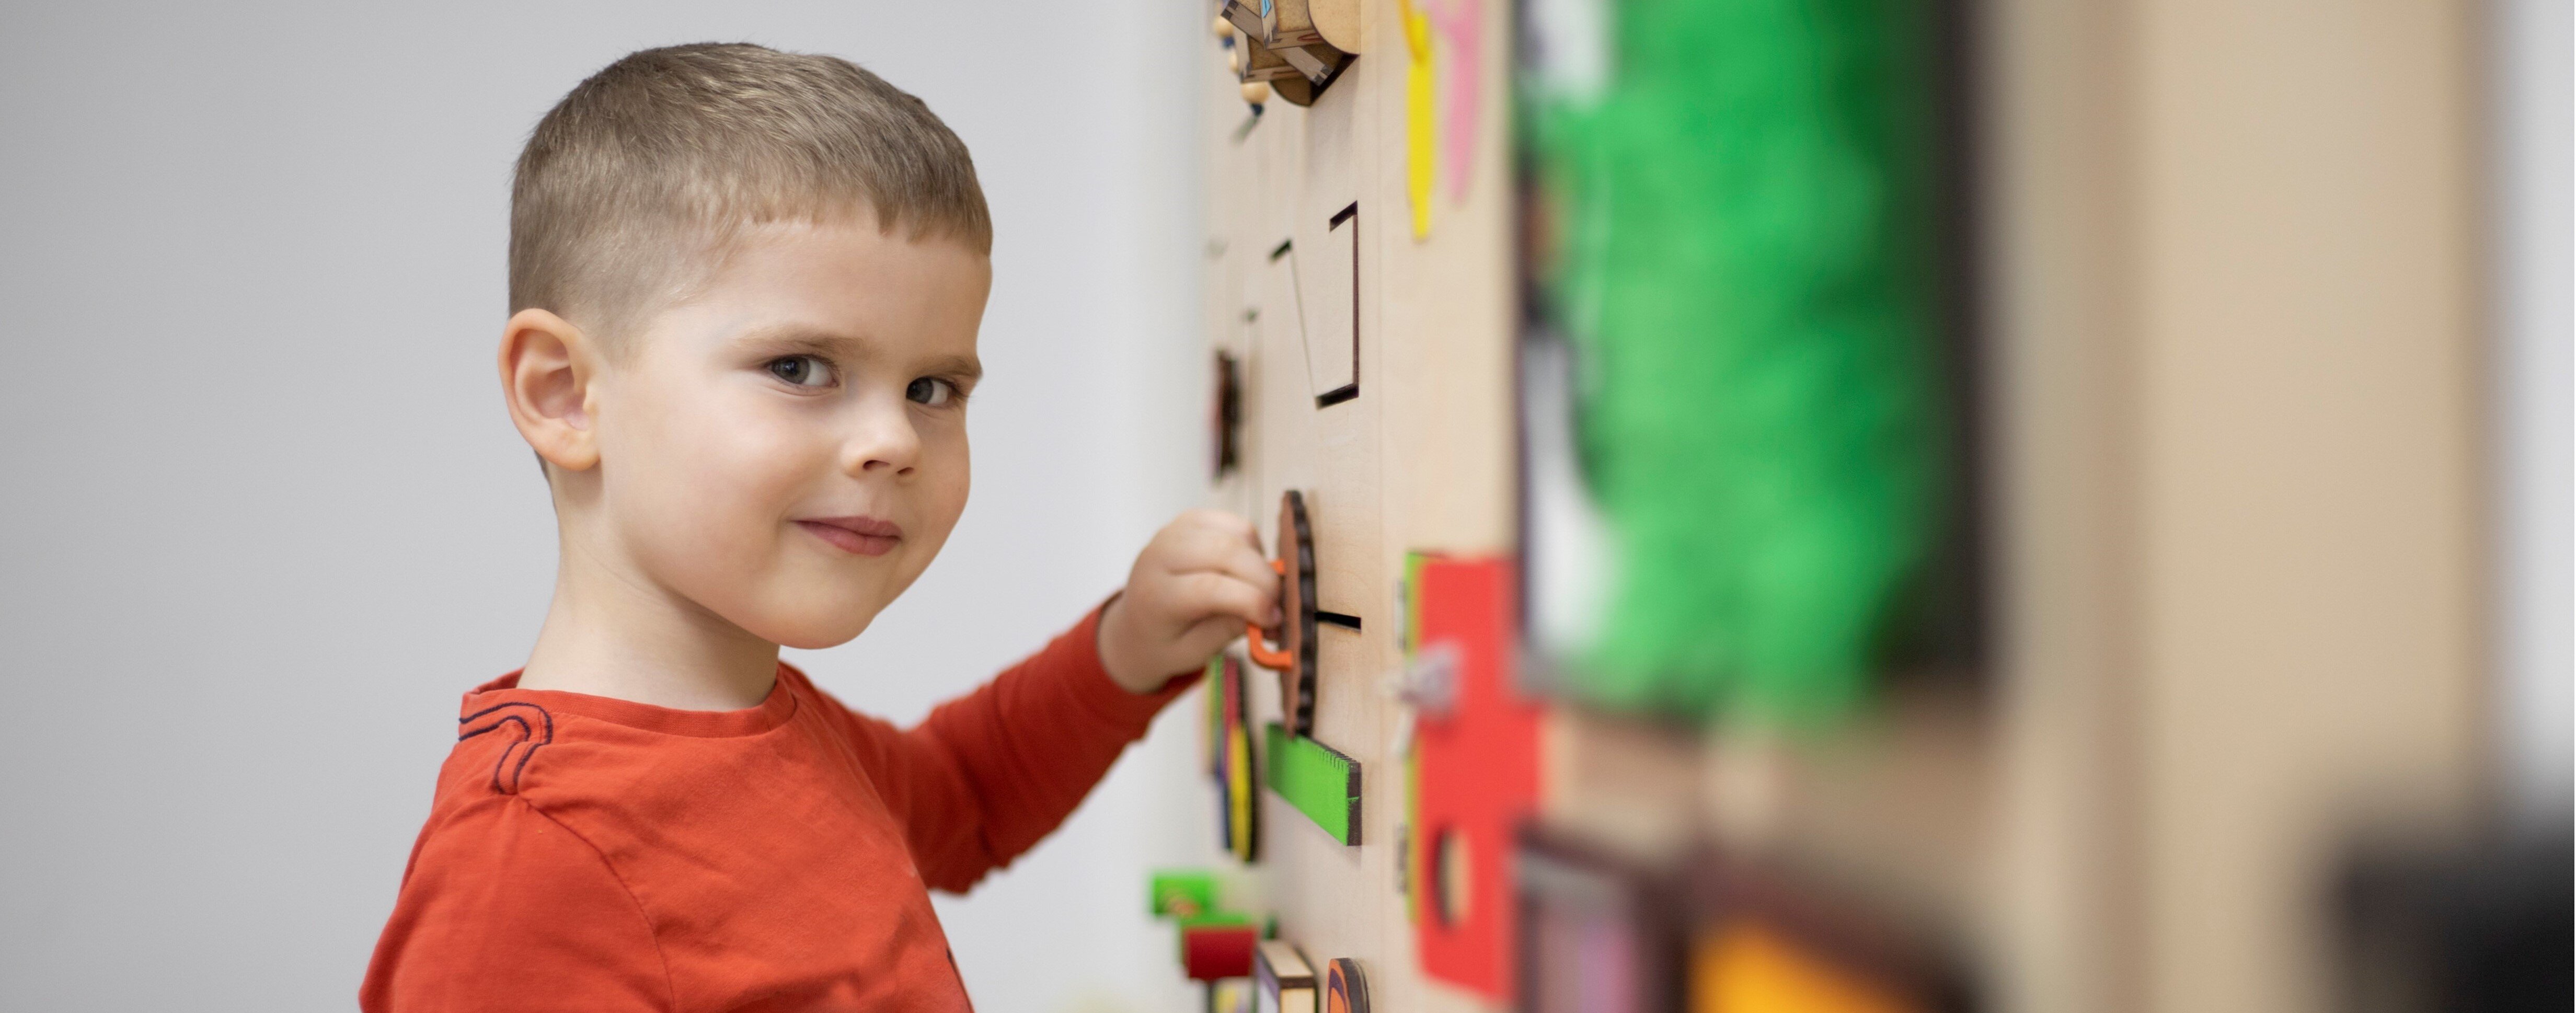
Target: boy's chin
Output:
{"points": [[808, 629]]}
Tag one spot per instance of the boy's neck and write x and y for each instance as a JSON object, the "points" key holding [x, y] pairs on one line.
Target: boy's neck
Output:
{"points": [[619, 635]]}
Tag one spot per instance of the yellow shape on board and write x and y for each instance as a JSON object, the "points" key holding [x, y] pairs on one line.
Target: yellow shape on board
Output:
{"points": [[1421, 117], [1239, 795], [1746, 968]]}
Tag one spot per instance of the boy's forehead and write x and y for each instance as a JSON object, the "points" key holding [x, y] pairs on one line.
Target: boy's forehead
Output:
{"points": [[843, 289], [801, 338]]}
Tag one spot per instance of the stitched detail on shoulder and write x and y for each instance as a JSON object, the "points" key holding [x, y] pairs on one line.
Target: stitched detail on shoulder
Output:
{"points": [[670, 988], [536, 728]]}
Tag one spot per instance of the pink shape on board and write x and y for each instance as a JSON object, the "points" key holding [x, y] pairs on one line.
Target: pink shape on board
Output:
{"points": [[1462, 24]]}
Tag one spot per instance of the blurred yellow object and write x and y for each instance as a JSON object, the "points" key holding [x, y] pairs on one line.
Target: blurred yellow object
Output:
{"points": [[1421, 131], [1743, 967]]}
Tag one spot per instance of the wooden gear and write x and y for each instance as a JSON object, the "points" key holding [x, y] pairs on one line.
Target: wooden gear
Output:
{"points": [[1294, 658]]}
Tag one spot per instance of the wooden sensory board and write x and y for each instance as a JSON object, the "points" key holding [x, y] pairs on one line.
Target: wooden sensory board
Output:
{"points": [[1420, 458], [2064, 822]]}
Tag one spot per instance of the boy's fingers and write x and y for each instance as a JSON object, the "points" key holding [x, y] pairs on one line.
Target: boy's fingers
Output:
{"points": [[1250, 569], [1220, 553], [1218, 522], [1230, 523], [1208, 635], [1223, 594]]}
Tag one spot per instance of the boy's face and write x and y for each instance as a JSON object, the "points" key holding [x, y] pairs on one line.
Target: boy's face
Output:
{"points": [[787, 449]]}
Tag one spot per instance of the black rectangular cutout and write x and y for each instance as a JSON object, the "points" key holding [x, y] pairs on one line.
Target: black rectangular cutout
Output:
{"points": [[1349, 390]]}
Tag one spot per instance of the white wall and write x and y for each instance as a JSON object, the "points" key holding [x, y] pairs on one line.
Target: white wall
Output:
{"points": [[2534, 426], [262, 518]]}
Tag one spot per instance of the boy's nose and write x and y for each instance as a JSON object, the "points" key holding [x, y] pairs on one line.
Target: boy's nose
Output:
{"points": [[882, 445]]}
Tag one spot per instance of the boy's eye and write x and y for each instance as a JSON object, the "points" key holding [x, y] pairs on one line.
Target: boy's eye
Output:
{"points": [[931, 393], [802, 370]]}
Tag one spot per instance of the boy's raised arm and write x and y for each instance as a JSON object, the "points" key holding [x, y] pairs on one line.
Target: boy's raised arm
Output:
{"points": [[989, 773], [986, 775]]}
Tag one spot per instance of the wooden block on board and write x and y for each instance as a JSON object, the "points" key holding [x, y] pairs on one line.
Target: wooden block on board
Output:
{"points": [[1316, 779], [1285, 982], [1215, 949], [1475, 773]]}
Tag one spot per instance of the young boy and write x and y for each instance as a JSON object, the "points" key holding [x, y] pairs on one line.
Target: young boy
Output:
{"points": [[745, 290]]}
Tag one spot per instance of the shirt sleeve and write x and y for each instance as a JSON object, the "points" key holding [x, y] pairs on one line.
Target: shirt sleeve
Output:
{"points": [[988, 774], [503, 909]]}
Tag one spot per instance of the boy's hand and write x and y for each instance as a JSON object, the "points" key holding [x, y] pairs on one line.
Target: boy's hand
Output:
{"points": [[1194, 587]]}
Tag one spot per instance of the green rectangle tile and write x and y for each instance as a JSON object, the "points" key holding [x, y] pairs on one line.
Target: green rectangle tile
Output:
{"points": [[1316, 779], [1182, 893]]}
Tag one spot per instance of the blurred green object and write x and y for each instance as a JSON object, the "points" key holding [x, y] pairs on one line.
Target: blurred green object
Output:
{"points": [[1736, 238], [1186, 895]]}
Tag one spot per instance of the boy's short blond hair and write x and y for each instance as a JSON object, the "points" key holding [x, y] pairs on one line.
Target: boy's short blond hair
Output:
{"points": [[633, 188]]}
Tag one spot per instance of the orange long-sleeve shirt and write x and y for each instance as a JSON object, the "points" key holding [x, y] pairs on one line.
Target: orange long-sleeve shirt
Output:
{"points": [[585, 853]]}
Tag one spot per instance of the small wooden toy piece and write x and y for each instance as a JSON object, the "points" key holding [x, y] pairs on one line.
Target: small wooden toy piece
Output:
{"points": [[1298, 46], [1316, 779], [1294, 658], [1345, 988], [1217, 948], [1286, 983], [1256, 93], [1238, 797]]}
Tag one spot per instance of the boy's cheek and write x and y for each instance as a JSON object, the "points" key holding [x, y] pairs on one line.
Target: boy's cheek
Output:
{"points": [[943, 491], [703, 504], [766, 582]]}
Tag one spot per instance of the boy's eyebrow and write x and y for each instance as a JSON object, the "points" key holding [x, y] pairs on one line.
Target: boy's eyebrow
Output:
{"points": [[964, 367], [821, 342], [792, 338]]}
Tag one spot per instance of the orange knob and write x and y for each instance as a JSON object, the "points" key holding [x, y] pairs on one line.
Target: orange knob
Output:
{"points": [[1264, 655]]}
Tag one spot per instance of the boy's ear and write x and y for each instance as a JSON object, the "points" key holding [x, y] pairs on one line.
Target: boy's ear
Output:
{"points": [[547, 367]]}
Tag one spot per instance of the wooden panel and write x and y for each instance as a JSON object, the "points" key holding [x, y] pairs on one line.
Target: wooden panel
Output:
{"points": [[1365, 355], [2307, 465]]}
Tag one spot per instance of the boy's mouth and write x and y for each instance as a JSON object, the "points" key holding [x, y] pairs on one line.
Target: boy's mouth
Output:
{"points": [[864, 535]]}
